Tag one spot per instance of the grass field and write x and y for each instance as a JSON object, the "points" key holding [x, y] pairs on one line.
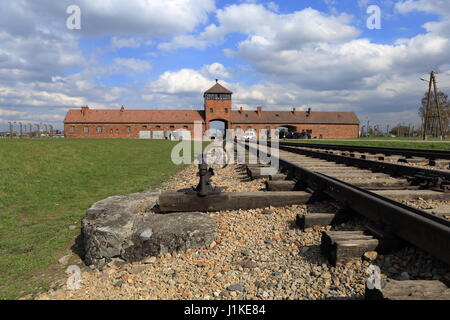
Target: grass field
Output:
{"points": [[408, 143], [46, 186]]}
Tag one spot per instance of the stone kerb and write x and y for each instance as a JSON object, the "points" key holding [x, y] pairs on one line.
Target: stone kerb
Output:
{"points": [[128, 228]]}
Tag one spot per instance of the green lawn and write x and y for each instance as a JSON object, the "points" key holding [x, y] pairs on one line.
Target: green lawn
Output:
{"points": [[409, 143], [46, 186]]}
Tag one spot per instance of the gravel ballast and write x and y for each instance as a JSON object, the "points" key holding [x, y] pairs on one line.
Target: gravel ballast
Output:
{"points": [[257, 254]]}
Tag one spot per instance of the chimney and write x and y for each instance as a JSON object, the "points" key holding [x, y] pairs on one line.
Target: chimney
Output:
{"points": [[308, 113], [84, 110], [122, 109], [259, 110], [240, 110], [293, 110]]}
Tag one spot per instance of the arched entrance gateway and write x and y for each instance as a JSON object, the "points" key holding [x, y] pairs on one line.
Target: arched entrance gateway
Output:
{"points": [[217, 128]]}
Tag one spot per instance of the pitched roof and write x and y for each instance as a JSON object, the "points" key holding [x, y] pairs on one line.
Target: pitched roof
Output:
{"points": [[86, 115], [315, 117], [218, 88], [133, 116]]}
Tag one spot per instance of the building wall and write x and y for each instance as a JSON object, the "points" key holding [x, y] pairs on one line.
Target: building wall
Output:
{"points": [[324, 131], [217, 110], [120, 130]]}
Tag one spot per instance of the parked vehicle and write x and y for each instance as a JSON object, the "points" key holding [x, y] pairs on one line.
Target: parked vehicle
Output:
{"points": [[249, 135]]}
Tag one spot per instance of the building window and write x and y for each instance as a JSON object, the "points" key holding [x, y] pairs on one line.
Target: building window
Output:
{"points": [[172, 127], [144, 127], [86, 129], [128, 129], [158, 127], [211, 110], [226, 110], [110, 131], [99, 129], [186, 127], [117, 131], [218, 96], [72, 129]]}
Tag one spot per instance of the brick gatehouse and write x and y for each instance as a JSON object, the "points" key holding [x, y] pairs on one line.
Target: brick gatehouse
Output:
{"points": [[159, 124]]}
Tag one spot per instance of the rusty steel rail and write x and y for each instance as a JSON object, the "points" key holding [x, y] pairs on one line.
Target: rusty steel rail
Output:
{"points": [[433, 179], [428, 154], [419, 228]]}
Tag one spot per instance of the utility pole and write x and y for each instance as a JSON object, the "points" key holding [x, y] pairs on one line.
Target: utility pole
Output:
{"points": [[441, 128], [429, 115]]}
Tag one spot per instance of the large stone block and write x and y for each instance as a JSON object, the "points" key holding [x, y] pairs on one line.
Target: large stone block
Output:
{"points": [[127, 227]]}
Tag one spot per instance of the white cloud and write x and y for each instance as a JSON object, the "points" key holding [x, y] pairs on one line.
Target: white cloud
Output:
{"points": [[273, 6], [183, 41], [4, 112], [293, 30], [439, 7], [188, 80], [215, 70], [182, 81], [118, 43], [157, 18], [135, 65]]}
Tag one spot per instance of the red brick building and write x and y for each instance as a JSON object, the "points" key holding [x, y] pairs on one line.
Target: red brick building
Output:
{"points": [[123, 123]]}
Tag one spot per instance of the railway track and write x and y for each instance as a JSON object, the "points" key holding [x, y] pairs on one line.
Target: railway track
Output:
{"points": [[371, 189], [436, 158]]}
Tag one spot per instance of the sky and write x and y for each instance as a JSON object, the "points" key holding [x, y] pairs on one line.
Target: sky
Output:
{"points": [[163, 54]]}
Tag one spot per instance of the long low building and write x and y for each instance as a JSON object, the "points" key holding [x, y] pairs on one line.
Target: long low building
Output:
{"points": [[161, 124]]}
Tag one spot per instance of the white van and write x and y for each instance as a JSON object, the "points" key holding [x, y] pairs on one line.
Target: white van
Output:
{"points": [[249, 135]]}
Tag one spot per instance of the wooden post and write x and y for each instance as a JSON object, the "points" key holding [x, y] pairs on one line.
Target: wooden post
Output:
{"points": [[188, 202], [427, 109]]}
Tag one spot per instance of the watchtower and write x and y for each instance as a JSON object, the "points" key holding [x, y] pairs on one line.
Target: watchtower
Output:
{"points": [[217, 105]]}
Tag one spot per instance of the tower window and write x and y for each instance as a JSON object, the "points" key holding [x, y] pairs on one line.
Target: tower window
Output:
{"points": [[218, 96], [226, 110], [99, 129], [211, 110], [158, 127]]}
